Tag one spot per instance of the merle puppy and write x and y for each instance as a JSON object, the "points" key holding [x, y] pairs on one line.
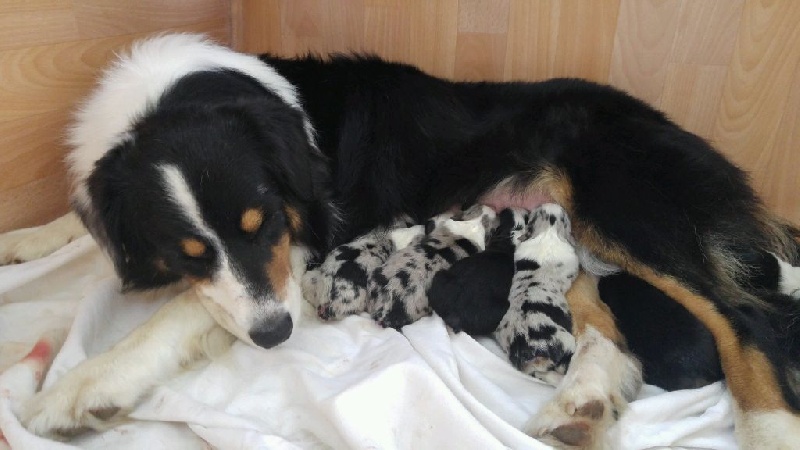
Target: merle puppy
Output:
{"points": [[398, 289], [472, 295], [338, 286], [536, 331]]}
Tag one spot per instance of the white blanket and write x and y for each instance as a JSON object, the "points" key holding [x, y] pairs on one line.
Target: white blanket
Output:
{"points": [[347, 384]]}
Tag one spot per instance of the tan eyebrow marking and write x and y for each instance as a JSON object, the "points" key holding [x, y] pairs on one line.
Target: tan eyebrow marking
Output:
{"points": [[192, 247], [251, 220], [295, 221], [279, 268]]}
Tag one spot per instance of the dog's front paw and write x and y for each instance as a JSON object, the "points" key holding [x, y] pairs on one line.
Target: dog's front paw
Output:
{"points": [[26, 245], [33, 243], [90, 397]]}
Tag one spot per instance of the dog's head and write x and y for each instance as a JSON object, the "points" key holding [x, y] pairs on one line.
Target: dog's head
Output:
{"points": [[218, 196]]}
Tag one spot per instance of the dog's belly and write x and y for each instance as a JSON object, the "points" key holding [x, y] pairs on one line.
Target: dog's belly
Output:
{"points": [[500, 199]]}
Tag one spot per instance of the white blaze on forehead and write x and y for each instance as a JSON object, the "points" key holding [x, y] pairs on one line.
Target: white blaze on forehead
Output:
{"points": [[136, 81], [238, 311]]}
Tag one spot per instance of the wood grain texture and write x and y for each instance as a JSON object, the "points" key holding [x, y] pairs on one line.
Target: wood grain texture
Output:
{"points": [[728, 70], [51, 52]]}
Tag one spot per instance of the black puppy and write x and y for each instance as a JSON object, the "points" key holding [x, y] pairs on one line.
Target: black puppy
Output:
{"points": [[472, 295]]}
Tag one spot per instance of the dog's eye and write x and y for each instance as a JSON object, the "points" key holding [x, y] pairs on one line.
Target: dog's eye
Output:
{"points": [[251, 220]]}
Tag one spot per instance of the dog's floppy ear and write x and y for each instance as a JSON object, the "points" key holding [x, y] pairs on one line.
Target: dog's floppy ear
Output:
{"points": [[288, 153], [298, 169], [107, 216]]}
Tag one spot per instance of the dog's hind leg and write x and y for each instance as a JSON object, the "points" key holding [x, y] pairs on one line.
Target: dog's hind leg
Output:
{"points": [[602, 377], [766, 411], [102, 389], [27, 244]]}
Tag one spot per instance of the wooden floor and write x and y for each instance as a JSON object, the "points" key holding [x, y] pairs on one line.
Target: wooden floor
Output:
{"points": [[728, 70]]}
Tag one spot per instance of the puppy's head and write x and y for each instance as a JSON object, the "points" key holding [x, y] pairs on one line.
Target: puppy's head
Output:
{"points": [[218, 197]]}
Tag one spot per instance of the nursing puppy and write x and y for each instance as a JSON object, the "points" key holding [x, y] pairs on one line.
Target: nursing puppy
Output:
{"points": [[398, 289], [191, 162], [536, 331], [338, 287], [472, 295]]}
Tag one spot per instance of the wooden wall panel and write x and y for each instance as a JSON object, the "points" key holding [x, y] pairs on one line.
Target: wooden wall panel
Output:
{"points": [[50, 53], [728, 70]]}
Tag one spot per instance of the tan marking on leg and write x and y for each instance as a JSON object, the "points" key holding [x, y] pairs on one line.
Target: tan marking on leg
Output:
{"points": [[279, 268], [749, 374], [294, 218], [192, 247], [586, 308], [251, 221]]}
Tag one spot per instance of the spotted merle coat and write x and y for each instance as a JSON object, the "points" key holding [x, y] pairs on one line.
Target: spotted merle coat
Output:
{"points": [[472, 295], [536, 332], [338, 286], [398, 289]]}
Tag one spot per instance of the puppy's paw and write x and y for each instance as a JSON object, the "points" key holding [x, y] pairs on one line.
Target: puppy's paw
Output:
{"points": [[535, 344]]}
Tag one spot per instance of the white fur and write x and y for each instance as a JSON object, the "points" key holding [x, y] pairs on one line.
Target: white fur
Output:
{"points": [[135, 82], [773, 430], [790, 279], [548, 246], [401, 237], [180, 332], [472, 229], [599, 372], [28, 244], [591, 264]]}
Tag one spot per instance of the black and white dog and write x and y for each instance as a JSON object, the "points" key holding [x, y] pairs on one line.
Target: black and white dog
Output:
{"points": [[194, 162]]}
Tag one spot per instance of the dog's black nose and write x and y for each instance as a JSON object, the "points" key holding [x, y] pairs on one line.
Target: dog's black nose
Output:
{"points": [[272, 332]]}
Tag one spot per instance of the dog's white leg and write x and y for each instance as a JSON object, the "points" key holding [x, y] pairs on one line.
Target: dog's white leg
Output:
{"points": [[28, 244], [109, 385], [596, 389], [775, 430], [602, 377]]}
